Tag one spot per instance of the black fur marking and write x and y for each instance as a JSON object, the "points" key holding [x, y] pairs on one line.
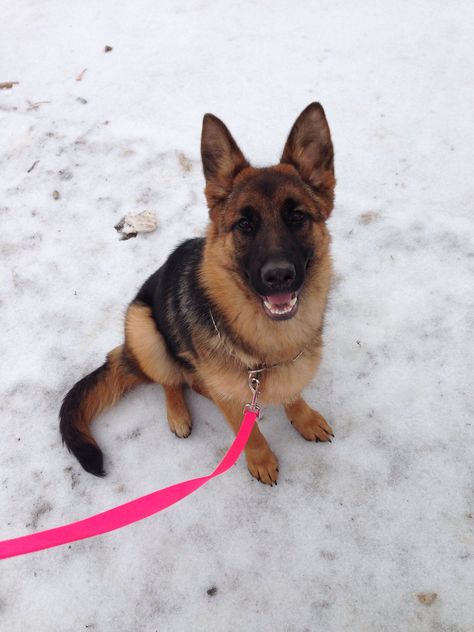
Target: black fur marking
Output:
{"points": [[130, 365], [289, 205], [177, 300], [267, 183], [180, 304], [88, 454]]}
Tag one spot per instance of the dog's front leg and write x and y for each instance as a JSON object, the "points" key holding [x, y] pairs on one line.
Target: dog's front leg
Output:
{"points": [[179, 419], [309, 423], [261, 461]]}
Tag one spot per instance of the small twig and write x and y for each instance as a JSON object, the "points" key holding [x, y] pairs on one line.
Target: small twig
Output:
{"points": [[80, 75], [33, 166], [6, 85], [35, 106]]}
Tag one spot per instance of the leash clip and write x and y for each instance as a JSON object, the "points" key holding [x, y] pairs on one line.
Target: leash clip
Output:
{"points": [[254, 385]]}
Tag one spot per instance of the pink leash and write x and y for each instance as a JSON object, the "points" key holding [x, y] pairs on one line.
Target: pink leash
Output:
{"points": [[134, 510]]}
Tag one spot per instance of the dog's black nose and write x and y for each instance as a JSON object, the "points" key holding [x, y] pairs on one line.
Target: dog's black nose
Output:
{"points": [[278, 275]]}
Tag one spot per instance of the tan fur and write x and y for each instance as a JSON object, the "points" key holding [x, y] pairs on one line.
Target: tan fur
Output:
{"points": [[261, 461], [309, 423], [148, 348], [179, 419]]}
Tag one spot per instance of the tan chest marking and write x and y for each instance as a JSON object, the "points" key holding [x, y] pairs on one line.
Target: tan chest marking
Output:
{"points": [[278, 385]]}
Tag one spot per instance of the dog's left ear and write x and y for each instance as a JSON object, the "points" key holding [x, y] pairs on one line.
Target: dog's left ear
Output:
{"points": [[309, 149], [222, 160]]}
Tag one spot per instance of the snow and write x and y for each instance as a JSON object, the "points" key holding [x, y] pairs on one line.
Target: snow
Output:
{"points": [[355, 529]]}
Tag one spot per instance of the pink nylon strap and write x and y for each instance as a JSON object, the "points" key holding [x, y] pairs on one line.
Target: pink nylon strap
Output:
{"points": [[129, 512]]}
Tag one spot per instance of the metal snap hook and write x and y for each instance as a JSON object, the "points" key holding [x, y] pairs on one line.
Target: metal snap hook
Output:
{"points": [[254, 385]]}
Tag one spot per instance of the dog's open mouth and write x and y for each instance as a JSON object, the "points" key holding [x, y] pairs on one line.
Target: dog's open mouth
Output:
{"points": [[281, 306]]}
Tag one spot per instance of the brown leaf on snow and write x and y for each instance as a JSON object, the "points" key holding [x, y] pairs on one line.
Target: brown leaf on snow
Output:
{"points": [[426, 598], [107, 49], [369, 217], [184, 161], [7, 85]]}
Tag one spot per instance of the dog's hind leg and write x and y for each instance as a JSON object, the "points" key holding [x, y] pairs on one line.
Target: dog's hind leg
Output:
{"points": [[148, 348], [179, 419]]}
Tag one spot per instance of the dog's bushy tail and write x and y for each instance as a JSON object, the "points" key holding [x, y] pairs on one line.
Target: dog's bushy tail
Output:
{"points": [[89, 397]]}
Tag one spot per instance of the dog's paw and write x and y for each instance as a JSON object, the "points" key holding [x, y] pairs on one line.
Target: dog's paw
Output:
{"points": [[180, 426], [263, 465], [312, 426]]}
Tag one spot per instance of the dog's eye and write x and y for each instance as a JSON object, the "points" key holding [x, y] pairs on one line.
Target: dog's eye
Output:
{"points": [[244, 225], [296, 217]]}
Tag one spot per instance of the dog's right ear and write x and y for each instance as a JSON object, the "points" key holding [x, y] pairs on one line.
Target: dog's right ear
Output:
{"points": [[222, 160]]}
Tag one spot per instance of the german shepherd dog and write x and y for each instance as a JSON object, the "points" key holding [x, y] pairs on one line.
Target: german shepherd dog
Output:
{"points": [[249, 295]]}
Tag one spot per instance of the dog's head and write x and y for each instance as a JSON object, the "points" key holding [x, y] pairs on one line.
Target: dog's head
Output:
{"points": [[272, 218]]}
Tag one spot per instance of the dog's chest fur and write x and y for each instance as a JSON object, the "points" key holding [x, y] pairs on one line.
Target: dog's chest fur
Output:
{"points": [[279, 384]]}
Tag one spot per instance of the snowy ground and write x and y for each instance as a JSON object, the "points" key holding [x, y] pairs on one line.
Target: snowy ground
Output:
{"points": [[355, 529]]}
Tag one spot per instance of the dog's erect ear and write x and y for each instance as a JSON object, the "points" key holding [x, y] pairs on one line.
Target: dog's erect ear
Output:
{"points": [[222, 159], [309, 149]]}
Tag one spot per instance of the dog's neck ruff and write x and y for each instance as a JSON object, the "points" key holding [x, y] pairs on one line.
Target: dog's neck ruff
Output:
{"points": [[262, 367]]}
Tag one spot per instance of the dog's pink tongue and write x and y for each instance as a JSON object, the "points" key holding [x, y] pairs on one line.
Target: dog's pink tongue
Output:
{"points": [[279, 299]]}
